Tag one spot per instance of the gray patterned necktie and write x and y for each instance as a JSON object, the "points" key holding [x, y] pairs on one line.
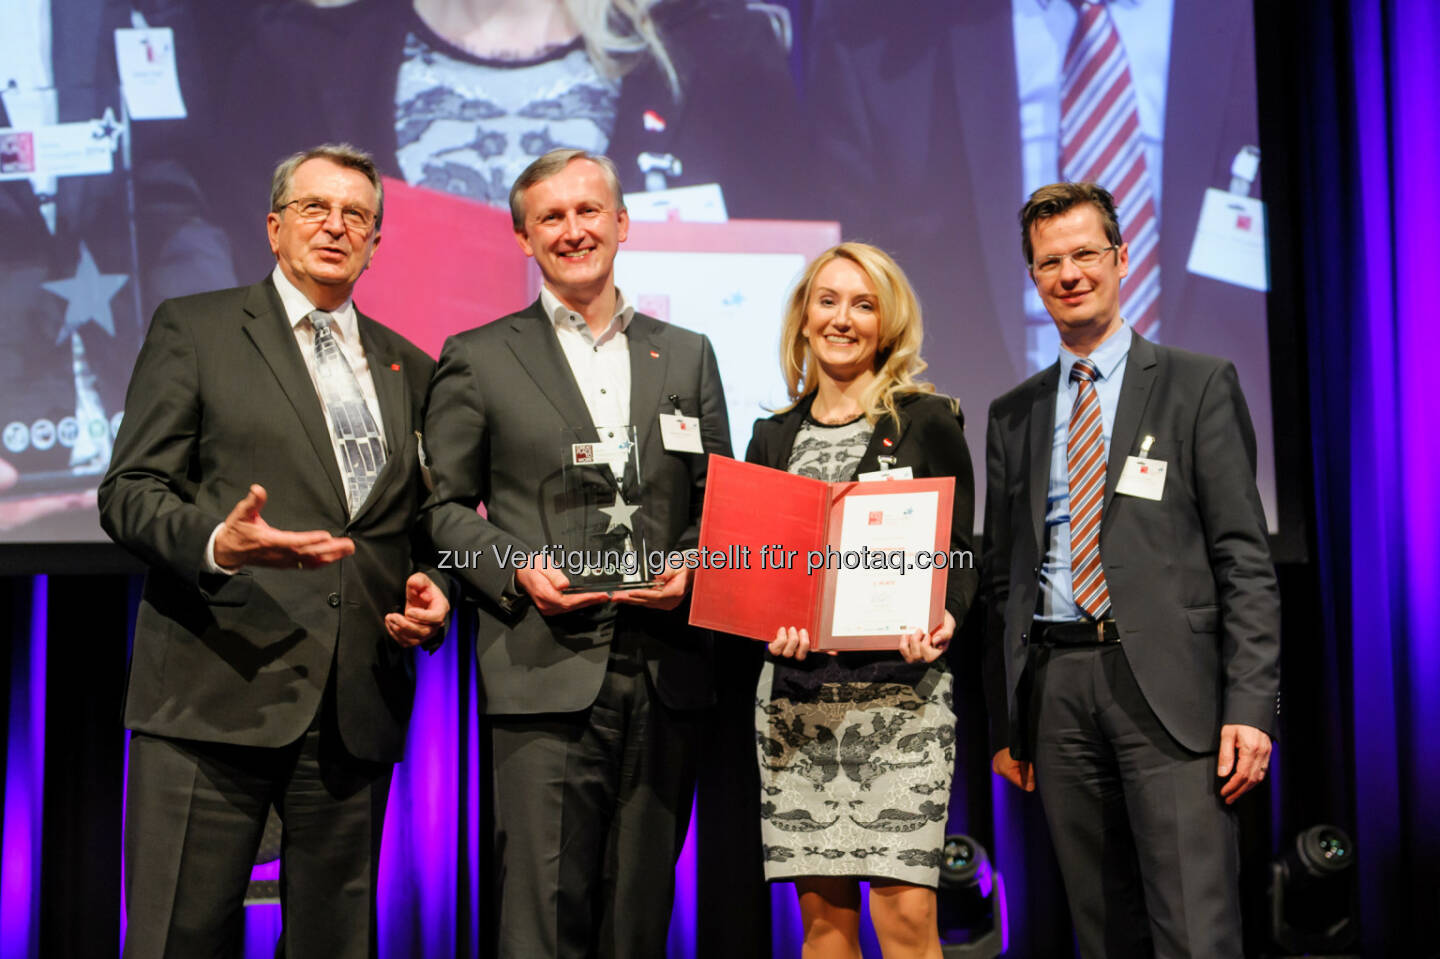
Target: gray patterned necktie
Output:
{"points": [[361, 453]]}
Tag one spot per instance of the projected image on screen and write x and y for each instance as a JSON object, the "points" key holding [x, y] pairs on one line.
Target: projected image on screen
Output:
{"points": [[749, 136]]}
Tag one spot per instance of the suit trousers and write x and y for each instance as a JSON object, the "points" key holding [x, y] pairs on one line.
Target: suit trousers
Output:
{"points": [[591, 810], [1148, 850], [195, 815]]}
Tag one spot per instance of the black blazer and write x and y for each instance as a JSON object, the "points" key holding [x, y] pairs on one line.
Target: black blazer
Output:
{"points": [[930, 440], [220, 399], [1191, 584], [500, 410]]}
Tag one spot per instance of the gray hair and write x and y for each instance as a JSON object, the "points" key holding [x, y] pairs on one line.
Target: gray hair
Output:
{"points": [[549, 164], [341, 154]]}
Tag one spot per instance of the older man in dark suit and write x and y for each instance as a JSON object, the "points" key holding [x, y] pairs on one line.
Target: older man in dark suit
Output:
{"points": [[1133, 645], [593, 696], [272, 667]]}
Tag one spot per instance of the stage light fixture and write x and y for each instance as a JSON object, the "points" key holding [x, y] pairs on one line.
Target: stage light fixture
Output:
{"points": [[1313, 894], [970, 901]]}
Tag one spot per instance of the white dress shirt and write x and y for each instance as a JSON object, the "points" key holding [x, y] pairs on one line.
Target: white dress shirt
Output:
{"points": [[601, 364], [346, 328]]}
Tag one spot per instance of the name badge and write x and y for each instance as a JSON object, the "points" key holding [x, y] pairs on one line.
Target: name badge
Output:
{"points": [[85, 148], [903, 473], [680, 434], [145, 59], [1142, 477], [613, 450], [1230, 241]]}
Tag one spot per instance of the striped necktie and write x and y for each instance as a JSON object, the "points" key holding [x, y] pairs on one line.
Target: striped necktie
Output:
{"points": [[1100, 142], [361, 453], [1085, 456]]}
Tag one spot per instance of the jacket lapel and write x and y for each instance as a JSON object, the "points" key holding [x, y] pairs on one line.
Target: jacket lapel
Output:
{"points": [[647, 376], [1042, 437], [884, 441], [269, 330], [538, 352], [1134, 394], [790, 422]]}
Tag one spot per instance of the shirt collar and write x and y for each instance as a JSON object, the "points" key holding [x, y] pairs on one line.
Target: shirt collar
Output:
{"points": [[298, 307], [562, 316], [1106, 357]]}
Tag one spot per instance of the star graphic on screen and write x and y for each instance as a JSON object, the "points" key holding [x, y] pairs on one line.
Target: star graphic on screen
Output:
{"points": [[87, 295], [620, 514]]}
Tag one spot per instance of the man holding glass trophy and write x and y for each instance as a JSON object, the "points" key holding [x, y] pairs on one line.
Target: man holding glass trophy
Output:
{"points": [[584, 428]]}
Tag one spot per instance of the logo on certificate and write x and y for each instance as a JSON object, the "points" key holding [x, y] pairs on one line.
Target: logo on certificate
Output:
{"points": [[583, 452], [875, 518]]}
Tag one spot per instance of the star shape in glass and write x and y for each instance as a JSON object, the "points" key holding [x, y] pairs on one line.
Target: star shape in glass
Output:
{"points": [[87, 295], [621, 514]]}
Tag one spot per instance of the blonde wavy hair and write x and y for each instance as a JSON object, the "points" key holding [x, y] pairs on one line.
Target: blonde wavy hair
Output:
{"points": [[619, 33], [897, 355]]}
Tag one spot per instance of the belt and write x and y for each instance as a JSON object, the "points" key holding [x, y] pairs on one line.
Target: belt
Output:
{"points": [[1082, 633]]}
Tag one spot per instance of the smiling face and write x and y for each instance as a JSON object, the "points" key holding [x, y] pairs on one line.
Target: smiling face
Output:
{"points": [[842, 321], [573, 227], [324, 258], [1084, 303]]}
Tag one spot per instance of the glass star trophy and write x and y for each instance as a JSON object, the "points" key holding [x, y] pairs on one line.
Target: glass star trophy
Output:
{"points": [[600, 518]]}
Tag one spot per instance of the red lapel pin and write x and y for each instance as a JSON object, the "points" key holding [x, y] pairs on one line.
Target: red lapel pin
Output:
{"points": [[395, 367], [887, 441], [655, 354]]}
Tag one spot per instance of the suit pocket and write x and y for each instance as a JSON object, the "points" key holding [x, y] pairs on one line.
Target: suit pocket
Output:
{"points": [[1203, 619], [221, 590]]}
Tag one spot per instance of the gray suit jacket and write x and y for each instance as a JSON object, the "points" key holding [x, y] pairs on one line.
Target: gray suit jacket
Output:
{"points": [[1191, 584], [220, 399], [499, 418]]}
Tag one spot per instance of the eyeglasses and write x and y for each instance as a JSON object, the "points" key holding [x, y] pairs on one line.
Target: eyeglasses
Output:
{"points": [[312, 209], [1084, 258]]}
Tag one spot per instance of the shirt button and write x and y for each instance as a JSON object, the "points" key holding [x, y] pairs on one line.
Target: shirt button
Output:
{"points": [[333, 599]]}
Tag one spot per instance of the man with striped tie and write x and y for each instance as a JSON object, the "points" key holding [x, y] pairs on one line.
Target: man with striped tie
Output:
{"points": [[1132, 649], [267, 471]]}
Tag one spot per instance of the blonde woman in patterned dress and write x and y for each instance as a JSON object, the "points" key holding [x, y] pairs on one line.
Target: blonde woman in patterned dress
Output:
{"points": [[856, 750]]}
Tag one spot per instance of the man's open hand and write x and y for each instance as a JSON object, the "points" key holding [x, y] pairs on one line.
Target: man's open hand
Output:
{"points": [[246, 539]]}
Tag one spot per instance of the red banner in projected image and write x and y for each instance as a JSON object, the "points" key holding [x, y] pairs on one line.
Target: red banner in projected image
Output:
{"points": [[445, 264]]}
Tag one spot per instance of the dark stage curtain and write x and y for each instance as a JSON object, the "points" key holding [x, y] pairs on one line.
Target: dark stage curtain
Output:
{"points": [[1353, 95]]}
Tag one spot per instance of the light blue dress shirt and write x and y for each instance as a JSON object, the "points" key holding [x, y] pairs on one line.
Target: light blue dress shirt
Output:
{"points": [[1057, 601]]}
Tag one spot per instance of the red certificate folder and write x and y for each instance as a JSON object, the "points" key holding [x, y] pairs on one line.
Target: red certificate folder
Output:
{"points": [[763, 534]]}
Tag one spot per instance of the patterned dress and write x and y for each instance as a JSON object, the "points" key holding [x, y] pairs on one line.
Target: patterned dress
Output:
{"points": [[470, 126], [856, 750]]}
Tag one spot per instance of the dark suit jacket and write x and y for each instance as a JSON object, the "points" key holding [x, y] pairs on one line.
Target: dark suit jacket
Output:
{"points": [[1191, 584], [930, 440], [501, 406], [220, 399], [919, 131]]}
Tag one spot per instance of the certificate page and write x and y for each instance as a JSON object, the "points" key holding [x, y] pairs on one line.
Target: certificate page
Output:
{"points": [[879, 589]]}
